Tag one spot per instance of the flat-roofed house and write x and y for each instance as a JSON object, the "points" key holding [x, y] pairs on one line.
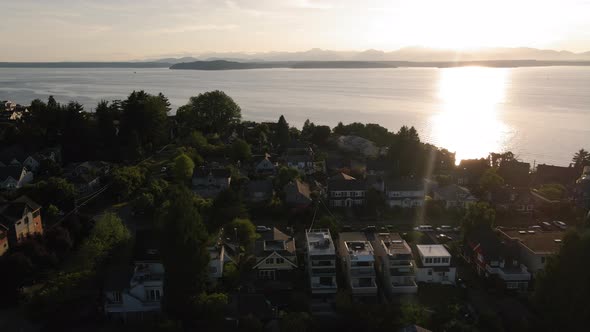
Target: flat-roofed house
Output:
{"points": [[434, 264], [358, 263], [535, 246], [321, 261], [395, 263]]}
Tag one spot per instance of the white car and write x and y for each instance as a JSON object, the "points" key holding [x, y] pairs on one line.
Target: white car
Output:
{"points": [[261, 229]]}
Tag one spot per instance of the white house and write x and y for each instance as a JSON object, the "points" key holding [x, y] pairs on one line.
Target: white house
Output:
{"points": [[434, 265], [135, 292], [395, 263], [405, 193], [358, 263], [321, 261]]}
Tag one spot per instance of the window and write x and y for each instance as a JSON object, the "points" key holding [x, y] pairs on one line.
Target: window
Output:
{"points": [[117, 297], [428, 260], [543, 259], [269, 261], [153, 294], [445, 260], [280, 260], [266, 274], [437, 260], [512, 285], [429, 272], [326, 281]]}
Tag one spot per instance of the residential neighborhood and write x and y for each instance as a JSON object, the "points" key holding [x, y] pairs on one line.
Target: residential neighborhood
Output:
{"points": [[258, 224]]}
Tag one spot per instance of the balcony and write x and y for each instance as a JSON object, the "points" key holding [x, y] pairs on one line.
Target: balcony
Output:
{"points": [[519, 273], [363, 288], [404, 286]]}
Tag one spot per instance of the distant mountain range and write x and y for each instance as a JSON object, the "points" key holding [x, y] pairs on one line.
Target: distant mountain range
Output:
{"points": [[415, 54]]}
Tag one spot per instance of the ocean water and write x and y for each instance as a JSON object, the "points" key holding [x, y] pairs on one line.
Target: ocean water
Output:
{"points": [[542, 114]]}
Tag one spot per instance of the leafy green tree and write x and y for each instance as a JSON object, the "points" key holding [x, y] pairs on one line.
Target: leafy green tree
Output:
{"points": [[562, 289], [282, 134], [231, 276], [196, 140], [144, 121], [413, 314], [54, 191], [240, 150], [479, 214], [328, 222], [552, 191], [182, 235], [284, 176], [183, 168], [226, 207], [209, 112], [144, 203], [581, 158], [212, 307], [126, 180], [108, 233], [245, 231], [320, 135], [490, 180]]}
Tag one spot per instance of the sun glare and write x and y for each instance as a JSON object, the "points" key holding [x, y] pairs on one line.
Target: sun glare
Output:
{"points": [[468, 122]]}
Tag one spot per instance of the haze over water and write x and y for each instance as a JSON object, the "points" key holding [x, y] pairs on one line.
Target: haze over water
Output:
{"points": [[542, 114]]}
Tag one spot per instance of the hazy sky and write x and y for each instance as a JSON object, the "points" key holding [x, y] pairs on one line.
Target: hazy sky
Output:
{"points": [[50, 30]]}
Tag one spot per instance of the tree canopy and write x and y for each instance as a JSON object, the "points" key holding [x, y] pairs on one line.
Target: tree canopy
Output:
{"points": [[209, 112]]}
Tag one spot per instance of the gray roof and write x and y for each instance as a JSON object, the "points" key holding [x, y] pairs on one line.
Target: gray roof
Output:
{"points": [[256, 186], [404, 184], [453, 192], [346, 185], [10, 171]]}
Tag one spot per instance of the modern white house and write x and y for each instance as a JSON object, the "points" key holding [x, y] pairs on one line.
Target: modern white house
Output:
{"points": [[395, 263], [405, 193], [134, 292], [321, 261], [358, 263], [434, 265]]}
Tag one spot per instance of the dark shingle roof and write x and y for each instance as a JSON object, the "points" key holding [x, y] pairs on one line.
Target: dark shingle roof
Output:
{"points": [[404, 184], [275, 236], [344, 185], [12, 171], [264, 186]]}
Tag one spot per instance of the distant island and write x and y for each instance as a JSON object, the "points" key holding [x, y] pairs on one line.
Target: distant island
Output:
{"points": [[234, 65], [84, 65]]}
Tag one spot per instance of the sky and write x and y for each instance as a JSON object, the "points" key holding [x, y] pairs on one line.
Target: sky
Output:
{"points": [[114, 30]]}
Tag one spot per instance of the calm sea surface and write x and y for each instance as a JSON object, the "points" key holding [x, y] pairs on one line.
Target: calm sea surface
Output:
{"points": [[542, 114]]}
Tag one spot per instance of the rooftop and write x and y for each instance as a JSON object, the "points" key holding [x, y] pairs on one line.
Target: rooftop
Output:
{"points": [[319, 242], [393, 244], [274, 240], [433, 250], [538, 241], [356, 245]]}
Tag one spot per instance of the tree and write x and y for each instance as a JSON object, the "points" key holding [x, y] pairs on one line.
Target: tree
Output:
{"points": [[245, 230], [479, 214], [183, 168], [58, 240], [282, 134], [581, 158], [126, 180], [490, 180], [320, 134], [209, 112], [231, 276], [196, 140], [108, 233], [562, 288], [240, 150], [182, 235], [211, 307], [55, 191], [328, 222], [553, 191], [21, 268], [285, 175], [226, 207], [144, 121]]}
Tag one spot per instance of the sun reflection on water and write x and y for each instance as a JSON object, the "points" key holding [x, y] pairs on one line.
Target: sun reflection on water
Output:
{"points": [[468, 122]]}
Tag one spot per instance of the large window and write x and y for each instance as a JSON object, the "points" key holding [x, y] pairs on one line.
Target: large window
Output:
{"points": [[445, 259], [266, 274], [280, 260], [117, 297], [269, 261], [153, 294]]}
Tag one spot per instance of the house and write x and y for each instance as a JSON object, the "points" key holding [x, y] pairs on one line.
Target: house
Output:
{"points": [[85, 183], [276, 260], [14, 177], [405, 193], [263, 165], [298, 194], [208, 182], [217, 259], [302, 162], [546, 174], [3, 239], [20, 219], [259, 191], [358, 264], [133, 292], [454, 196], [321, 261], [496, 260], [93, 168], [515, 199], [346, 191], [535, 246], [395, 263], [434, 264]]}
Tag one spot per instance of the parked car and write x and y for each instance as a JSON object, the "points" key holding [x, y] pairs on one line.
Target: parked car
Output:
{"points": [[370, 229], [560, 224], [424, 228], [261, 229]]}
